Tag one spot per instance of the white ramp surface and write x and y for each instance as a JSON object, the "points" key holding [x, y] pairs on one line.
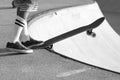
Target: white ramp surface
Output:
{"points": [[102, 51]]}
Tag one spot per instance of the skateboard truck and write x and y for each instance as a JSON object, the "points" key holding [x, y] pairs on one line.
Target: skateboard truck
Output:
{"points": [[91, 33]]}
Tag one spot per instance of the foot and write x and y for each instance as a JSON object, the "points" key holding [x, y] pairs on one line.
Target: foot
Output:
{"points": [[31, 42], [35, 42], [19, 46]]}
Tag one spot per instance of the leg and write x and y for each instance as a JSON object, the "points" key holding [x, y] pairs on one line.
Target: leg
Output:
{"points": [[20, 24]]}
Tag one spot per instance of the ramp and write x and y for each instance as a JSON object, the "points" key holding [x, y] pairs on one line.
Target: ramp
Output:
{"points": [[102, 51]]}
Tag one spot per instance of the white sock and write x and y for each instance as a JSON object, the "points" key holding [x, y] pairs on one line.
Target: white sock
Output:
{"points": [[23, 22], [20, 24], [17, 36]]}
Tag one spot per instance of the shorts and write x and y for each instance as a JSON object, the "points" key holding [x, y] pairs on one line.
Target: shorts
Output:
{"points": [[26, 5]]}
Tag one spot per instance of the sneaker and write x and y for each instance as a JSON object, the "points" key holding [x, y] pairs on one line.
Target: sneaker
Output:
{"points": [[35, 42], [31, 42], [19, 47]]}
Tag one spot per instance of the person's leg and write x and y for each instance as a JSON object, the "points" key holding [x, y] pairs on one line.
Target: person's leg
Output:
{"points": [[20, 24]]}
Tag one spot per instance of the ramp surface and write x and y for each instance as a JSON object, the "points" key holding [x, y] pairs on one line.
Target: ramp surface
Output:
{"points": [[102, 51]]}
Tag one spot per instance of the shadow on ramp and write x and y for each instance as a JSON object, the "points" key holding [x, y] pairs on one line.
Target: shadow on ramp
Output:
{"points": [[11, 54], [4, 52]]}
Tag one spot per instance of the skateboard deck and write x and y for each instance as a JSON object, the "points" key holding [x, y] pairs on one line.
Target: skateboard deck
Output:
{"points": [[71, 33]]}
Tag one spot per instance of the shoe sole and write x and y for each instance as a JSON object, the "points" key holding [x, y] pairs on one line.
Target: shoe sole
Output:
{"points": [[21, 51]]}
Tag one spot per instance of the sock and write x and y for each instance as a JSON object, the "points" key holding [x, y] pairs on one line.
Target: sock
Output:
{"points": [[20, 24], [23, 23]]}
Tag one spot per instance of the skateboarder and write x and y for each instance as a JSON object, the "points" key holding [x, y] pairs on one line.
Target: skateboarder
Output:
{"points": [[24, 7]]}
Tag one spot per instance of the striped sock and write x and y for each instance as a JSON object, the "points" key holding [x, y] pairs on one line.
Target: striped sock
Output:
{"points": [[22, 23]]}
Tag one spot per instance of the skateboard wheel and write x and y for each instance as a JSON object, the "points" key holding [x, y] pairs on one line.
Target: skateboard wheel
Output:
{"points": [[89, 32], [93, 35]]}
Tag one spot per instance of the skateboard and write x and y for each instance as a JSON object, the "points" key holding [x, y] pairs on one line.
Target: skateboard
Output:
{"points": [[88, 28]]}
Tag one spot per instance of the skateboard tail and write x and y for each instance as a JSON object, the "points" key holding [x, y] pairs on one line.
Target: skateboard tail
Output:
{"points": [[70, 33]]}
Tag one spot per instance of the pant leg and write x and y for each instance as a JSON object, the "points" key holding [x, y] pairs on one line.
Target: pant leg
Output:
{"points": [[26, 5]]}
